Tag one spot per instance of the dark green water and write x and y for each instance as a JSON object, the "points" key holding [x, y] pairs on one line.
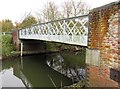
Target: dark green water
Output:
{"points": [[45, 70], [55, 70]]}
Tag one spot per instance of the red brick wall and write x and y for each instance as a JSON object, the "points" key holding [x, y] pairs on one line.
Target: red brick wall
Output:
{"points": [[110, 46], [15, 39], [99, 24]]}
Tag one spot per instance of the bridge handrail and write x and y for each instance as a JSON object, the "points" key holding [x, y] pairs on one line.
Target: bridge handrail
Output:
{"points": [[56, 21]]}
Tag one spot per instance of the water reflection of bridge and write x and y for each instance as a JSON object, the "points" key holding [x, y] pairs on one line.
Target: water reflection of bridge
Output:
{"points": [[71, 64]]}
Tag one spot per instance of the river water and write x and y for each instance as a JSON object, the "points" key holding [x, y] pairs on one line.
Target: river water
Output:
{"points": [[52, 70]]}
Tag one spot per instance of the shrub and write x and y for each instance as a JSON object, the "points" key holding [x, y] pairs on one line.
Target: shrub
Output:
{"points": [[7, 46]]}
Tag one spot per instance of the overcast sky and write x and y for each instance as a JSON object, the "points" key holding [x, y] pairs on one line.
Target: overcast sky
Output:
{"points": [[16, 9]]}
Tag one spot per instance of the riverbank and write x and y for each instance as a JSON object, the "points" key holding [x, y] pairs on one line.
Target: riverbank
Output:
{"points": [[26, 53]]}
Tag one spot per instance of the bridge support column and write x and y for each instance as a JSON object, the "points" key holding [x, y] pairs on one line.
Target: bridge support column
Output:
{"points": [[21, 45]]}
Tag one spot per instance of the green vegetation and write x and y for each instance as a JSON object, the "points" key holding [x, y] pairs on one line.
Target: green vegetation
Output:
{"points": [[7, 25], [52, 46], [7, 46], [0, 45], [27, 22], [79, 85]]}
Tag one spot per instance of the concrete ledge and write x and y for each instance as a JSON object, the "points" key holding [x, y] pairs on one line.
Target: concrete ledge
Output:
{"points": [[93, 57]]}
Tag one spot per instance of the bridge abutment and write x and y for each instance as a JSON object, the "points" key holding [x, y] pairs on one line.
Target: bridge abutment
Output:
{"points": [[104, 33]]}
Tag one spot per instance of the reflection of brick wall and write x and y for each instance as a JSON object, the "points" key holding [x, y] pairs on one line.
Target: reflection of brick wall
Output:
{"points": [[110, 45], [101, 77]]}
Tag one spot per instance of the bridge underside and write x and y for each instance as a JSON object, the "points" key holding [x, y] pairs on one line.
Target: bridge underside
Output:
{"points": [[68, 39]]}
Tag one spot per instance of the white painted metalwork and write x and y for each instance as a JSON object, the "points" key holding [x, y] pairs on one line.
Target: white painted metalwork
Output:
{"points": [[21, 53], [71, 30]]}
